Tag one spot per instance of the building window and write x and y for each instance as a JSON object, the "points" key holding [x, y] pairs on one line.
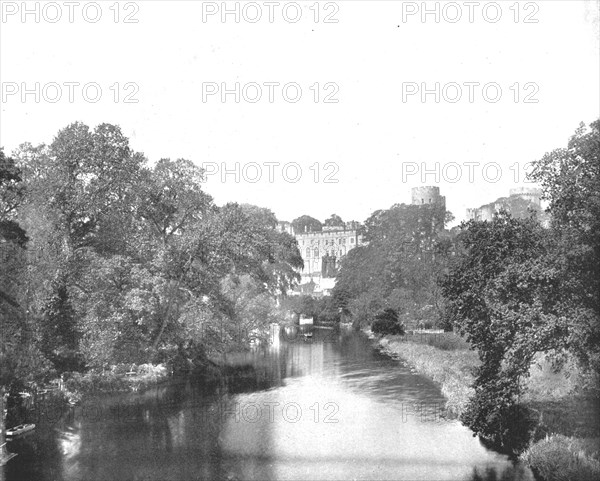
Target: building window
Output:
{"points": [[308, 252], [352, 240], [316, 252]]}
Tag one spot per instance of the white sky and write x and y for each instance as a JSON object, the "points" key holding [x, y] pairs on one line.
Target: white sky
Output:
{"points": [[369, 54]]}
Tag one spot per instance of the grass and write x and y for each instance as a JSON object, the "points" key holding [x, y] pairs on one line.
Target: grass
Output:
{"points": [[446, 341], [544, 383], [452, 366], [562, 458], [564, 407]]}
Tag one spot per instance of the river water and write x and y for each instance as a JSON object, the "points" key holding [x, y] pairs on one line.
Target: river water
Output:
{"points": [[330, 408]]}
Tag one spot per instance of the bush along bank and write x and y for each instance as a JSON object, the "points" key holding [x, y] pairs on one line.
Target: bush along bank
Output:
{"points": [[133, 377], [119, 378]]}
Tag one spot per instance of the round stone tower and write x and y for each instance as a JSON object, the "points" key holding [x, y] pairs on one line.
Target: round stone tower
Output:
{"points": [[427, 195]]}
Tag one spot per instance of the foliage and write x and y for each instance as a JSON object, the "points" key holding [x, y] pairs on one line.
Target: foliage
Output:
{"points": [[518, 289], [129, 262], [500, 296], [560, 458], [387, 322], [255, 310], [20, 358], [334, 221], [570, 178], [306, 223], [407, 250], [301, 305], [328, 311]]}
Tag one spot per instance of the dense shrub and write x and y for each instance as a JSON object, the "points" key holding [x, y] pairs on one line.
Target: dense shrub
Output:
{"points": [[560, 458], [425, 325], [386, 322]]}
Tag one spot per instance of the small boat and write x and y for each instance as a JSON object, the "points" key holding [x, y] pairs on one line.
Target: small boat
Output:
{"points": [[20, 429]]}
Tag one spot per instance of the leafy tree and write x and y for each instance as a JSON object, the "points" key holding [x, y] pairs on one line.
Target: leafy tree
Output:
{"points": [[306, 223], [59, 330], [334, 221], [20, 358], [501, 294], [129, 262], [407, 250], [518, 289], [387, 322], [570, 178], [328, 310], [301, 305], [254, 310]]}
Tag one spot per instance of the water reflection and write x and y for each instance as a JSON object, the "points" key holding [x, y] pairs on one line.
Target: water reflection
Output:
{"points": [[329, 407]]}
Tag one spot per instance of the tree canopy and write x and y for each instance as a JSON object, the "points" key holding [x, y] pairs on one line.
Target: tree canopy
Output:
{"points": [[518, 289], [107, 258], [306, 223]]}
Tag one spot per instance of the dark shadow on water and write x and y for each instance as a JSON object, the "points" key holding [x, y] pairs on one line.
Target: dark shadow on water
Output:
{"points": [[517, 472]]}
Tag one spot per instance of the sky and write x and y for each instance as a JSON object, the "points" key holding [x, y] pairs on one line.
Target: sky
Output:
{"points": [[312, 107]]}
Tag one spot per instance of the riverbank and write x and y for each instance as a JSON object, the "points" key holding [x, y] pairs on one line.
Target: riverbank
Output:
{"points": [[565, 445], [119, 378], [451, 363]]}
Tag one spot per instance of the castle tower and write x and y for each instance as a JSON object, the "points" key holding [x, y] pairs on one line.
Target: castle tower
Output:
{"points": [[530, 194], [427, 195]]}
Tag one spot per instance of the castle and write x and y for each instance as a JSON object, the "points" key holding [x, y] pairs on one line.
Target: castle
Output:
{"points": [[427, 195], [517, 204], [323, 250]]}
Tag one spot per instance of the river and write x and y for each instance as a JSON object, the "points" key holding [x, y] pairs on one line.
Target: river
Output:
{"points": [[328, 408]]}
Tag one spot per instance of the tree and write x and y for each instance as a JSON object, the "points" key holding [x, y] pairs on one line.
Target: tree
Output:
{"points": [[501, 293], [518, 289], [254, 310], [128, 262], [334, 221], [306, 223], [407, 250], [570, 179], [20, 358], [78, 201], [387, 322], [305, 305]]}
